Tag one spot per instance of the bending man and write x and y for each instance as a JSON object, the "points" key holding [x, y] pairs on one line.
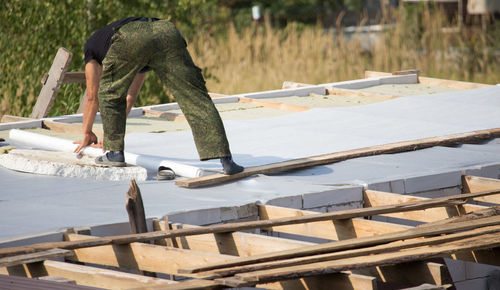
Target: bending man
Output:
{"points": [[117, 57]]}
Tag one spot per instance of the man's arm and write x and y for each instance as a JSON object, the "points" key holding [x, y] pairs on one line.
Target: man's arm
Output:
{"points": [[133, 90], [93, 73]]}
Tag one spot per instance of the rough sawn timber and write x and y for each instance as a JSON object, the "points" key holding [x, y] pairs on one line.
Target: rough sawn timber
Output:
{"points": [[231, 227], [52, 84], [448, 140]]}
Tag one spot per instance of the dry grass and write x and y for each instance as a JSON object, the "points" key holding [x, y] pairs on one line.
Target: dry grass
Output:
{"points": [[262, 58]]}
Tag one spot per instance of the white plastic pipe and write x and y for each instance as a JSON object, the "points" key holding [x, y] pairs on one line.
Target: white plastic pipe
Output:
{"points": [[149, 162]]}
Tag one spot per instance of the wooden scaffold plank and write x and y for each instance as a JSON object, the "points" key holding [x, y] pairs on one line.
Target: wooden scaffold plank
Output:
{"points": [[477, 184], [52, 84], [397, 147]]}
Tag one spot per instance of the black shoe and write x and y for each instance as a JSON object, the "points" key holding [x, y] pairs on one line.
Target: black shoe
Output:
{"points": [[112, 158], [165, 173], [229, 166]]}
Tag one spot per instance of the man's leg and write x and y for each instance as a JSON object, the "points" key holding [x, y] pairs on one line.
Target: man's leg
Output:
{"points": [[176, 69]]}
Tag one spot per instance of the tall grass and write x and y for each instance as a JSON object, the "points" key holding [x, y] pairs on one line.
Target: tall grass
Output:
{"points": [[262, 57]]}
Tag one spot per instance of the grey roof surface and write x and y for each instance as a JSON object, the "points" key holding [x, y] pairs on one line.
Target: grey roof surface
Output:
{"points": [[31, 203]]}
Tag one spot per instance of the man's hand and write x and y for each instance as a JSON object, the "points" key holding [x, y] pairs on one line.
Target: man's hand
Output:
{"points": [[88, 139]]}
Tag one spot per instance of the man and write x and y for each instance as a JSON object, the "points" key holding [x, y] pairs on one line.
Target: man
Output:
{"points": [[117, 58]]}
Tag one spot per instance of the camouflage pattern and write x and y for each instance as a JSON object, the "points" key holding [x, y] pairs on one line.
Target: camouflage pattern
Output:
{"points": [[160, 46]]}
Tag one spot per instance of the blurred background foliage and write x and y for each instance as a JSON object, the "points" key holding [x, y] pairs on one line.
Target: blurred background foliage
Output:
{"points": [[295, 40]]}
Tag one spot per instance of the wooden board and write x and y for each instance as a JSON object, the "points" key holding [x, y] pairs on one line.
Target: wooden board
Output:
{"points": [[341, 254], [344, 214], [10, 118], [484, 241], [477, 184], [275, 105], [331, 230], [143, 257], [404, 146], [379, 198], [488, 217], [34, 257], [52, 84], [74, 77], [235, 243]]}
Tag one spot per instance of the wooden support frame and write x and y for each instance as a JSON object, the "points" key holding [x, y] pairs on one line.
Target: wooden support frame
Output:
{"points": [[397, 147], [86, 275], [344, 214], [144, 257], [476, 184], [331, 230], [485, 218], [52, 84], [373, 198]]}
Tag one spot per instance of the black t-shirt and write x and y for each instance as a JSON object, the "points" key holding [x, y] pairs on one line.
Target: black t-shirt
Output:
{"points": [[98, 44]]}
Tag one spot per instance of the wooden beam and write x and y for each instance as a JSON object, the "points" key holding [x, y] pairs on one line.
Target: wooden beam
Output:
{"points": [[74, 77], [477, 184], [357, 93], [208, 271], [275, 105], [102, 278], [332, 281], [10, 118], [68, 128], [34, 257], [458, 85], [52, 84], [135, 209], [488, 217], [234, 243], [332, 230], [397, 147], [170, 116], [373, 198], [344, 214], [410, 274], [483, 241], [143, 257]]}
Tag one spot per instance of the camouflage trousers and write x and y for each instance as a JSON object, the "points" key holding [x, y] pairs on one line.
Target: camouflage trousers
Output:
{"points": [[160, 46]]}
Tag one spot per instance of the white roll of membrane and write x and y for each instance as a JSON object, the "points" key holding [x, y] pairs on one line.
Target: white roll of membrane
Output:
{"points": [[149, 162]]}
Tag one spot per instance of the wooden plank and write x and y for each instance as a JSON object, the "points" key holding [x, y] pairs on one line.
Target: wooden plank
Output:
{"points": [[10, 118], [51, 87], [410, 274], [483, 241], [341, 254], [275, 105], [332, 230], [341, 280], [356, 93], [455, 224], [477, 184], [234, 243], [373, 198], [69, 128], [34, 257], [135, 209], [170, 116], [102, 278], [459, 85], [143, 257], [404, 146], [223, 228], [74, 77]]}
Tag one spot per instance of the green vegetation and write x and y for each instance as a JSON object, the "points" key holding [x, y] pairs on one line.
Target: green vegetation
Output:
{"points": [[237, 55]]}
